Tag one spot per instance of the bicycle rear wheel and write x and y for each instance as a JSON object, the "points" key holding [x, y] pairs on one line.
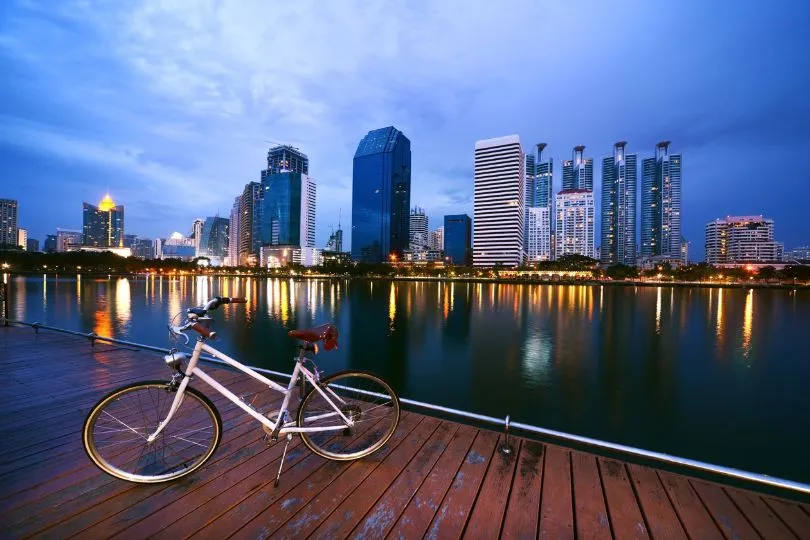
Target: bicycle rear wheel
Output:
{"points": [[361, 396], [117, 427]]}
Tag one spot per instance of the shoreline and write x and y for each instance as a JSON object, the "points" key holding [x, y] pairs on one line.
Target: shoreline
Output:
{"points": [[753, 284]]}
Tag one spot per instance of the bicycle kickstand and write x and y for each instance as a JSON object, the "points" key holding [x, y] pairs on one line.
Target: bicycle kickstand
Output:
{"points": [[283, 455]]}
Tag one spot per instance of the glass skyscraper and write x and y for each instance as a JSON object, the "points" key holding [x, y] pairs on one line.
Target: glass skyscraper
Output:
{"points": [[661, 205], [214, 238], [103, 225], [286, 158], [619, 188], [458, 238], [578, 171], [381, 196], [288, 215]]}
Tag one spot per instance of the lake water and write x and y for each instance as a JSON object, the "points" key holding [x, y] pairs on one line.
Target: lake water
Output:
{"points": [[719, 375]]}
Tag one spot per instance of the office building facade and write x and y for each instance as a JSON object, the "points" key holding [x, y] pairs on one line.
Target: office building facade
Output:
{"points": [[8, 222], [214, 239], [538, 234], [68, 240], [574, 229], [288, 214], [418, 229], [578, 171], [250, 224], [458, 239], [661, 205], [619, 189], [381, 196], [742, 239], [233, 232], [499, 202], [286, 158], [103, 224]]}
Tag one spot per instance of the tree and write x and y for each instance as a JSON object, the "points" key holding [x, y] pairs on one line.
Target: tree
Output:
{"points": [[621, 271], [766, 272]]}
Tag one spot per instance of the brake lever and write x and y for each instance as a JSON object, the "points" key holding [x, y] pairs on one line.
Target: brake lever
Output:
{"points": [[177, 331]]}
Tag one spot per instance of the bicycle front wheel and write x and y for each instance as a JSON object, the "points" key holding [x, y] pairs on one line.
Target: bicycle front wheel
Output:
{"points": [[116, 431], [365, 399]]}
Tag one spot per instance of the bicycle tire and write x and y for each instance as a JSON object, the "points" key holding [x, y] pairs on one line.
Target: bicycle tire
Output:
{"points": [[380, 440], [102, 457]]}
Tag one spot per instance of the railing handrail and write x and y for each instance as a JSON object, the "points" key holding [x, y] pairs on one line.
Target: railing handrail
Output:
{"points": [[730, 472]]}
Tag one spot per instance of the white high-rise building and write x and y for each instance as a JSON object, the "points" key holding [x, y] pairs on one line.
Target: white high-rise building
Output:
{"points": [[538, 233], [437, 239], [575, 225], [742, 239], [308, 199], [499, 203], [196, 234], [419, 236], [233, 233]]}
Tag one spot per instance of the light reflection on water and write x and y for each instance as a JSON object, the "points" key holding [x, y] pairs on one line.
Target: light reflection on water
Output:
{"points": [[629, 369]]}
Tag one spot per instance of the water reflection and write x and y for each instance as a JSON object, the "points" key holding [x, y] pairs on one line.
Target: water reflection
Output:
{"points": [[719, 330], [658, 311], [123, 304], [748, 319], [392, 306]]}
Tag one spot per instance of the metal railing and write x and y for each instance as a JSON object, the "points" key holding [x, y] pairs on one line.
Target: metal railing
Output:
{"points": [[505, 423]]}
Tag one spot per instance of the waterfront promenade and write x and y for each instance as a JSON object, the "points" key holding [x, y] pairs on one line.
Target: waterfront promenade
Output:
{"points": [[434, 478]]}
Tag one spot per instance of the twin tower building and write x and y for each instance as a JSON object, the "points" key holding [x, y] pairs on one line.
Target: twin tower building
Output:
{"points": [[517, 218]]}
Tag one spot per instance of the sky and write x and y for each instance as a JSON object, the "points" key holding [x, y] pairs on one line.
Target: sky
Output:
{"points": [[170, 106]]}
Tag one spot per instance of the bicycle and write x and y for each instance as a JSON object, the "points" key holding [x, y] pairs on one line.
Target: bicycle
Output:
{"points": [[140, 432]]}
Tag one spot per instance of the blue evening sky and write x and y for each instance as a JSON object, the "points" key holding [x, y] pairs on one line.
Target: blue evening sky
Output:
{"points": [[171, 105]]}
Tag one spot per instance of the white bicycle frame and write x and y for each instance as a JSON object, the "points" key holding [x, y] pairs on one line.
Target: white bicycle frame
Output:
{"points": [[288, 427]]}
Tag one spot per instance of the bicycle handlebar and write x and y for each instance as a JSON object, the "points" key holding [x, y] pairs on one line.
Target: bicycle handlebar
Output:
{"points": [[217, 301]]}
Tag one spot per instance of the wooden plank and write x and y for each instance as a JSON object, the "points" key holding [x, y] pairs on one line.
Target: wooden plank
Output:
{"points": [[451, 517], [693, 515], [557, 506], [731, 522], [764, 520], [523, 509], [240, 503], [590, 512], [488, 511], [348, 514], [625, 515], [379, 520], [304, 497], [658, 512], [417, 516], [791, 515], [309, 516]]}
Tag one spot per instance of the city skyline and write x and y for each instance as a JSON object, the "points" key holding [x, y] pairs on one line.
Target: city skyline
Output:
{"points": [[124, 109]]}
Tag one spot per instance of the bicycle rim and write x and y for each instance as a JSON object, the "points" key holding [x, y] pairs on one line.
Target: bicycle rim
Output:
{"points": [[364, 398], [116, 430]]}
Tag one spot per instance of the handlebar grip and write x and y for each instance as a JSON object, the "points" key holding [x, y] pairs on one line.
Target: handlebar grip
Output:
{"points": [[203, 330], [238, 300]]}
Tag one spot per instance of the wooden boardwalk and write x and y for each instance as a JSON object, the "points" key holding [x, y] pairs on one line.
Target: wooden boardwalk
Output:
{"points": [[434, 479]]}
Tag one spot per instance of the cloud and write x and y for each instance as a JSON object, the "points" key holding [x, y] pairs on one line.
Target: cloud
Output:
{"points": [[181, 99]]}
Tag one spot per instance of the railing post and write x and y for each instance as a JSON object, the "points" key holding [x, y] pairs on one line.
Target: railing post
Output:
{"points": [[506, 448], [92, 337]]}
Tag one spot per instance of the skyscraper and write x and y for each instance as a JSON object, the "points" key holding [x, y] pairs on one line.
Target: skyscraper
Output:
{"points": [[286, 158], [288, 216], [196, 234], [661, 205], [381, 196], [499, 202], [213, 241], [233, 232], [575, 222], [538, 234], [249, 222], [22, 238], [419, 236], [544, 180], [619, 185], [458, 238], [8, 222], [103, 224], [578, 171]]}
